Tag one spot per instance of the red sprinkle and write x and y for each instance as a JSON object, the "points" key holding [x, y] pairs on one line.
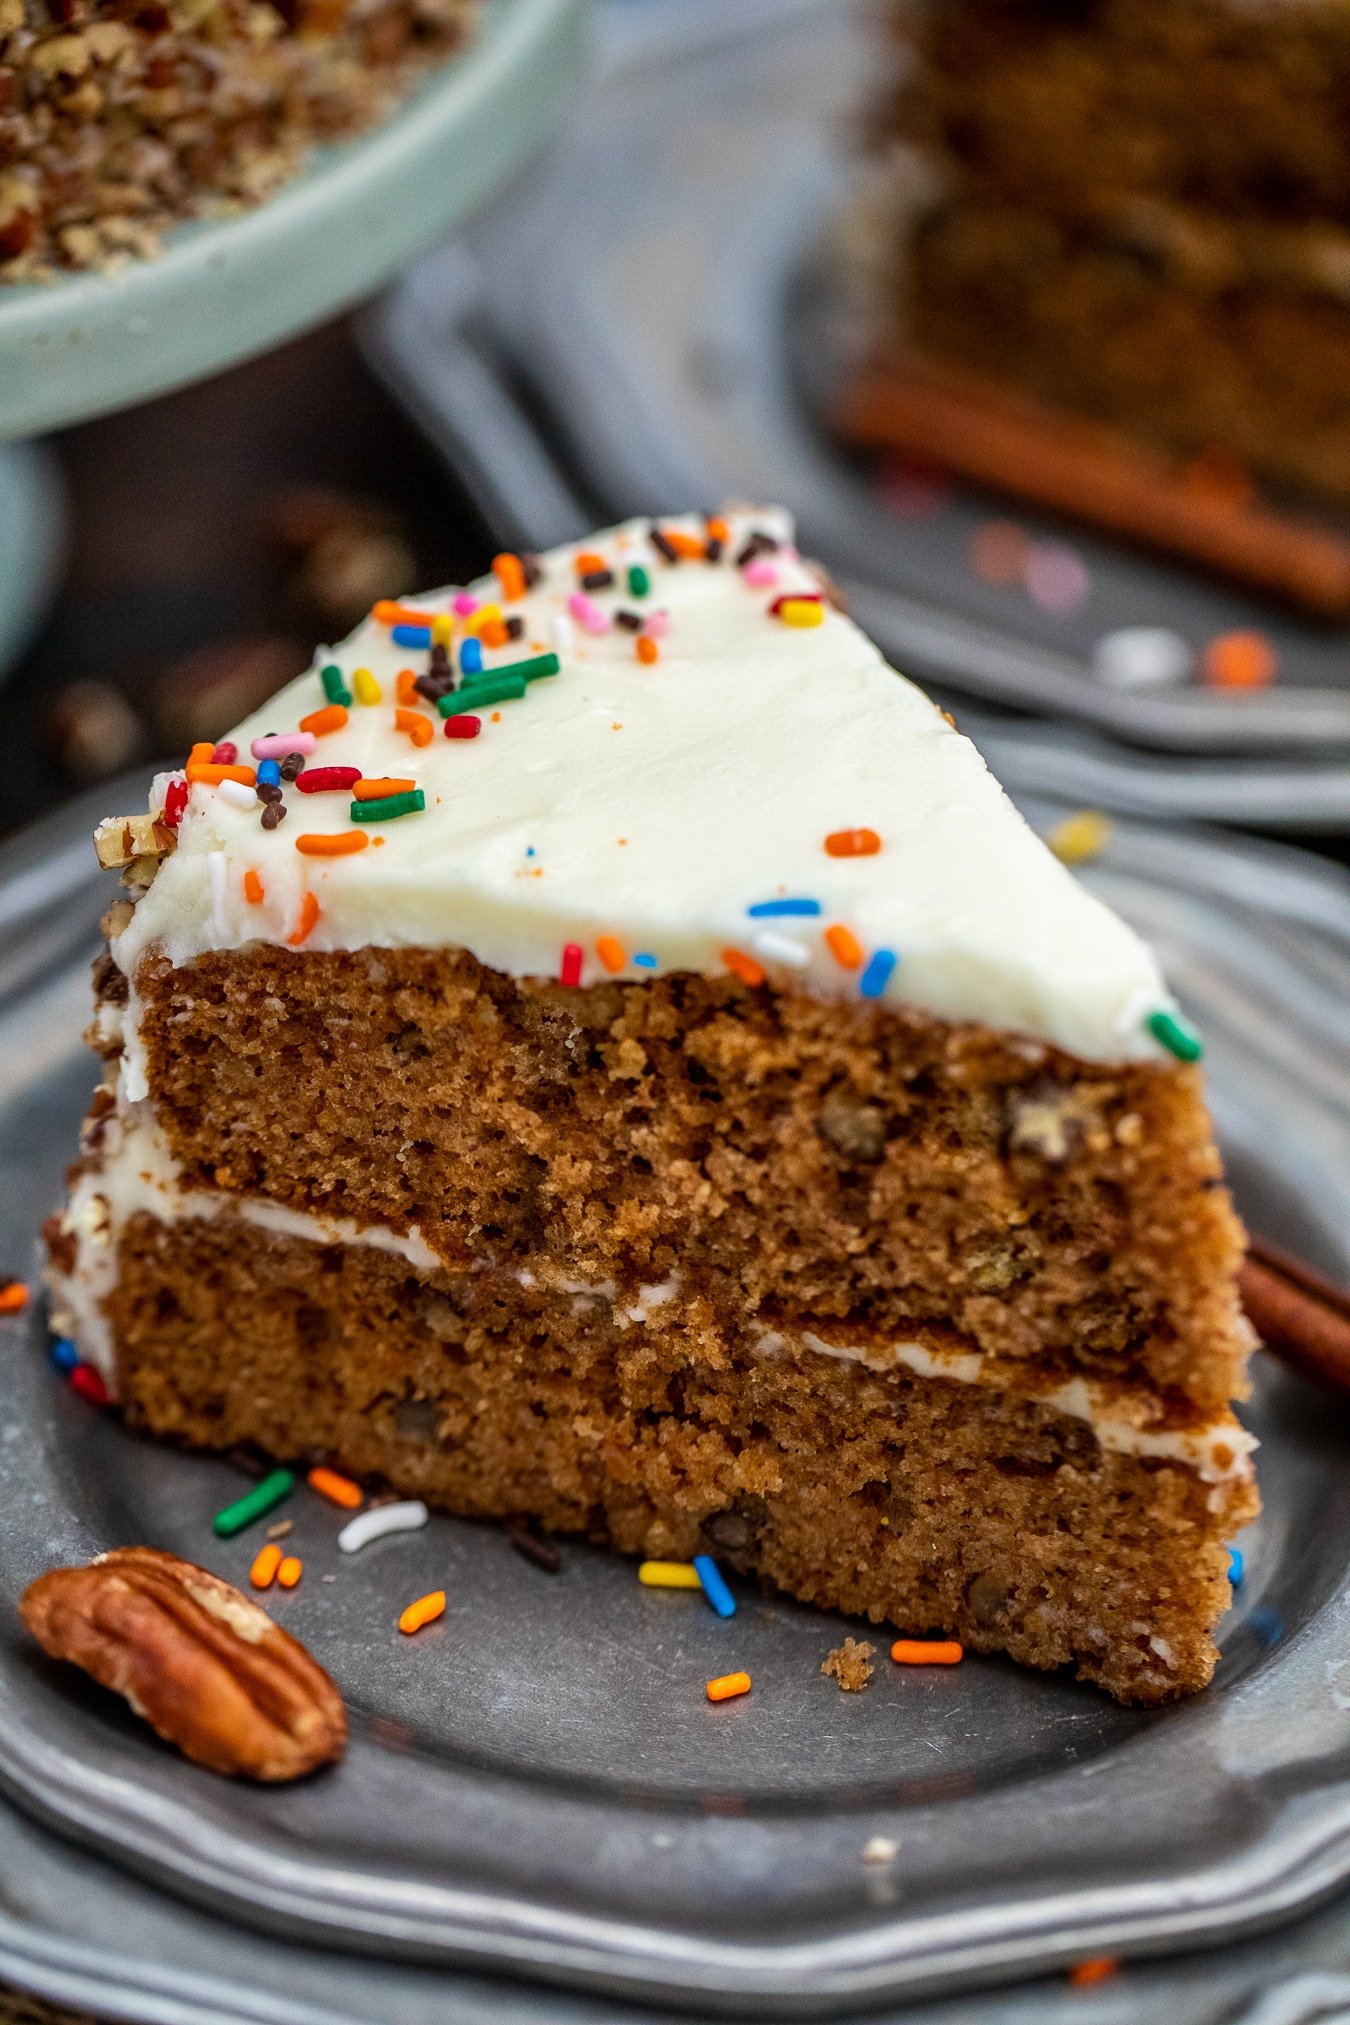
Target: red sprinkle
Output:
{"points": [[175, 801], [224, 754], [463, 727], [315, 780], [795, 598], [570, 972], [84, 1379]]}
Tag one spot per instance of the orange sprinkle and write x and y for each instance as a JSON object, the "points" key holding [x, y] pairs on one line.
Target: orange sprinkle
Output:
{"points": [[212, 776], [588, 561], [390, 612], [290, 1571], [843, 946], [340, 844], [403, 684], [309, 914], [927, 1652], [376, 790], [1239, 661], [728, 1685], [263, 1573], [253, 887], [742, 966], [510, 574], [611, 952], [687, 545], [418, 728], [1085, 1974], [486, 615], [647, 650], [425, 1611], [339, 1490], [200, 755], [494, 633], [999, 552], [717, 528], [852, 844], [13, 1298], [331, 718]]}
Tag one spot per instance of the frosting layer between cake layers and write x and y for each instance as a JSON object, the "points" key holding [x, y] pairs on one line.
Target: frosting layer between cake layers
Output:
{"points": [[136, 1174], [672, 810]]}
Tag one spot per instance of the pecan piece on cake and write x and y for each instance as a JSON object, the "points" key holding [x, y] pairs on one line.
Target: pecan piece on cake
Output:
{"points": [[205, 1667]]}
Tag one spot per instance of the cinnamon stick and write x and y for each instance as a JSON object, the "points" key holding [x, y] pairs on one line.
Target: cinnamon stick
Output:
{"points": [[1003, 440], [1300, 1315]]}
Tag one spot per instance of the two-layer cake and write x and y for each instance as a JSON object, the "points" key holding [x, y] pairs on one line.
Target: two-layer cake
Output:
{"points": [[602, 1046]]}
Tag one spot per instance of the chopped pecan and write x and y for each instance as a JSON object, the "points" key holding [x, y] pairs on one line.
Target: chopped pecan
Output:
{"points": [[204, 1666], [119, 840]]}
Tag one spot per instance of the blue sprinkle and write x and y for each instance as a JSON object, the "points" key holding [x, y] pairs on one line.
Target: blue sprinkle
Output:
{"points": [[764, 909], [645, 960], [877, 975], [269, 773], [714, 1588], [411, 636], [1235, 1565], [530, 851], [64, 1356], [471, 658], [1267, 1624]]}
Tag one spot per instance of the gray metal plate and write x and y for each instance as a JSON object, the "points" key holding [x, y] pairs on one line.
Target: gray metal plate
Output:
{"points": [[663, 316], [538, 1784]]}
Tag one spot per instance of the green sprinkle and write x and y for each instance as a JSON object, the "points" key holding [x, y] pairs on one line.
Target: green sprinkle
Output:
{"points": [[385, 807], [1177, 1035], [334, 688], [255, 1504], [501, 688], [532, 670], [639, 583]]}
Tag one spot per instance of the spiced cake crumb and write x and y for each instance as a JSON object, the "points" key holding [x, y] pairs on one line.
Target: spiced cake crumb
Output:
{"points": [[850, 1664]]}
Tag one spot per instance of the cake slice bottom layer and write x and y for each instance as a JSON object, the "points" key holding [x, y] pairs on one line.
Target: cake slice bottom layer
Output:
{"points": [[922, 1502]]}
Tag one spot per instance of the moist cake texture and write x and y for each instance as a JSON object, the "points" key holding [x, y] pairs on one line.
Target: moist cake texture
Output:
{"points": [[1137, 209], [711, 1121]]}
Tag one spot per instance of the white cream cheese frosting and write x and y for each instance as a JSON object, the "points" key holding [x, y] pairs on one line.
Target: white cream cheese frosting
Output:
{"points": [[657, 807]]}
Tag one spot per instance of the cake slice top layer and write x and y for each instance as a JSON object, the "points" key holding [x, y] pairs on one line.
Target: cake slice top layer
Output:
{"points": [[657, 756]]}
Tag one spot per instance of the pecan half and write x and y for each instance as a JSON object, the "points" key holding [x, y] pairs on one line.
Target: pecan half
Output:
{"points": [[195, 1658]]}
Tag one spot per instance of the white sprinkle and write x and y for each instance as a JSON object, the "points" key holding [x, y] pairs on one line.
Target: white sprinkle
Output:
{"points": [[1141, 657], [237, 793], [781, 949], [368, 1526], [881, 1849], [564, 633]]}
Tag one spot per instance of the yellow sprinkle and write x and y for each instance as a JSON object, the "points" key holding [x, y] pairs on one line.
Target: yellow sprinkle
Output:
{"points": [[1080, 837], [802, 612], [442, 629], [668, 1575], [366, 687], [484, 616]]}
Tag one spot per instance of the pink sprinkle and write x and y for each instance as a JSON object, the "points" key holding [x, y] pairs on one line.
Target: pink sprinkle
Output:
{"points": [[225, 754], [1055, 577], [587, 613], [318, 780], [278, 743], [84, 1379], [463, 604], [463, 726], [760, 572], [656, 625], [570, 972]]}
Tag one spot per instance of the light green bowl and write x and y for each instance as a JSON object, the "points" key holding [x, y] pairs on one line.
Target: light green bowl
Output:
{"points": [[227, 288]]}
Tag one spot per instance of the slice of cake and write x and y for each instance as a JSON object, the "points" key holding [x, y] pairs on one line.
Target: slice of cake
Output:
{"points": [[1138, 210], [602, 1047]]}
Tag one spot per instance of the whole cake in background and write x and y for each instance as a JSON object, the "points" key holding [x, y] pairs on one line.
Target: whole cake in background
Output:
{"points": [[601, 1046], [119, 118], [1138, 210]]}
